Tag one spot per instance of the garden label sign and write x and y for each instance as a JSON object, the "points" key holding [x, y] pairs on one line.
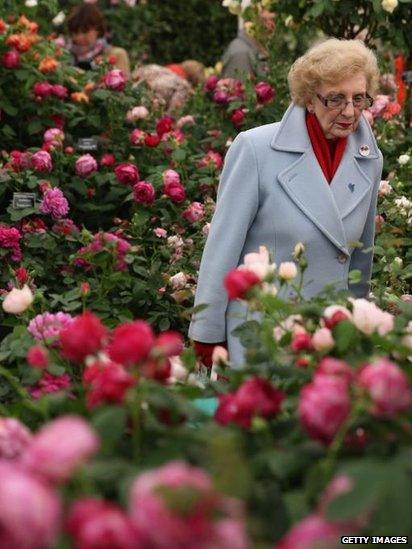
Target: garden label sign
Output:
{"points": [[23, 200], [87, 144]]}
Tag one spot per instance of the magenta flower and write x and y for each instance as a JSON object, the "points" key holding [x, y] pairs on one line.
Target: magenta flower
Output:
{"points": [[85, 165], [10, 238], [54, 203], [49, 384], [48, 325], [42, 162], [115, 80], [313, 531]]}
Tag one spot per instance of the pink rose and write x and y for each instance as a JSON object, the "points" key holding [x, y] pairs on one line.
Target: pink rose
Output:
{"points": [[194, 212], [385, 188], [369, 318], [211, 159], [108, 160], [178, 281], [95, 524], [313, 531], [14, 438], [60, 447], [160, 233], [210, 83], [175, 191], [54, 203], [170, 343], [38, 356], [10, 59], [59, 91], [55, 136], [42, 89], [388, 387], [322, 340], [115, 80], [330, 366], [239, 281], [127, 173], [264, 92], [301, 341], [41, 161], [29, 510], [137, 113], [324, 405], [85, 165], [170, 177], [186, 120], [144, 193], [137, 137]]}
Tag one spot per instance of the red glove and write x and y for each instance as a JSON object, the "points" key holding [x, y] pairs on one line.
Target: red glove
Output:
{"points": [[204, 351]]}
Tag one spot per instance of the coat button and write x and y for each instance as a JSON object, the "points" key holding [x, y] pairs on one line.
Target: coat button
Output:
{"points": [[342, 258]]}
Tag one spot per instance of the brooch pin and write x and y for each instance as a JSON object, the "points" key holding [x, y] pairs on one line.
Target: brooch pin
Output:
{"points": [[364, 150]]}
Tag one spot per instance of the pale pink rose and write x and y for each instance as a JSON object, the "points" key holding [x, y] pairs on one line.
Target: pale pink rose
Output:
{"points": [[55, 136], [171, 177], [388, 387], [194, 212], [369, 116], [322, 339], [385, 188], [369, 318], [287, 270], [206, 229], [17, 301], [85, 165], [115, 80], [186, 120], [331, 366], [178, 281], [332, 309], [259, 263], [14, 437], [175, 242], [160, 233], [137, 137], [324, 405], [313, 532], [60, 447], [29, 510], [379, 105], [137, 113]]}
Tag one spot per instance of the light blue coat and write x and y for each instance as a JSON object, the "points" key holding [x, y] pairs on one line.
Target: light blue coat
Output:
{"points": [[273, 193]]}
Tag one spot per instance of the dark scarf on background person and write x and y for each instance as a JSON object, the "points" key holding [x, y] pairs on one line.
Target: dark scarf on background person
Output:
{"points": [[329, 152], [86, 54]]}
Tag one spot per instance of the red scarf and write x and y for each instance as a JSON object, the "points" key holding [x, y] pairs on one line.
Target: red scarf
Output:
{"points": [[328, 152]]}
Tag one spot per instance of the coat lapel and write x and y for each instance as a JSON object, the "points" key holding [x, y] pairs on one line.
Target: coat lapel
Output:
{"points": [[303, 180]]}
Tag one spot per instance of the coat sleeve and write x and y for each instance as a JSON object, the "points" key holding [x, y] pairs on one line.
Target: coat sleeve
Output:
{"points": [[362, 258], [236, 207]]}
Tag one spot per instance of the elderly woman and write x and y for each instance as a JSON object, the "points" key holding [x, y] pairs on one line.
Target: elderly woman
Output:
{"points": [[312, 177]]}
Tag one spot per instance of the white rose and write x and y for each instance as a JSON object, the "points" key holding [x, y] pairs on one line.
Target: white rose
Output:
{"points": [[389, 5], [259, 263], [59, 19], [384, 188], [30, 3], [322, 339], [178, 281], [17, 301], [287, 270], [403, 159]]}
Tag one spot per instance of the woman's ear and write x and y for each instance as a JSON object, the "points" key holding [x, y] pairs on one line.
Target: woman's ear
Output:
{"points": [[310, 107]]}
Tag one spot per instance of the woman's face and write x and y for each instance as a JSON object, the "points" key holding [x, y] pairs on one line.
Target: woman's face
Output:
{"points": [[85, 38], [341, 121]]}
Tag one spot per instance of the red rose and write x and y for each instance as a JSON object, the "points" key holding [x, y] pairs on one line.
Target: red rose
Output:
{"points": [[107, 160], [38, 357], [238, 117], [144, 193], [10, 59], [151, 140], [335, 319], [175, 191], [164, 125], [131, 343], [83, 337], [106, 382], [264, 92], [301, 342], [21, 275], [239, 281], [157, 369], [127, 173], [170, 343]]}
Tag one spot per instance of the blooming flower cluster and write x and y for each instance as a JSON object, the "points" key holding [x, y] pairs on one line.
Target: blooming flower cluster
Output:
{"points": [[10, 240], [110, 243]]}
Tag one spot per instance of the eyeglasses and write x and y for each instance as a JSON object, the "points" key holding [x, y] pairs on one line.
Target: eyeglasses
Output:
{"points": [[339, 101]]}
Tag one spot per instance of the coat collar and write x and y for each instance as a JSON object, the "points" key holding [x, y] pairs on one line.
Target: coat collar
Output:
{"points": [[292, 135]]}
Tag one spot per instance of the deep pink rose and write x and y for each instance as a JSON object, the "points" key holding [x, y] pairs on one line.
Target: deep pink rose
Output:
{"points": [[97, 524], [175, 191], [239, 281], [106, 382], [210, 83], [301, 341], [38, 356], [324, 405], [151, 140], [41, 161], [59, 91], [108, 160], [388, 387], [115, 80], [238, 117], [137, 137], [10, 59], [127, 173], [311, 532], [170, 343], [85, 165], [144, 193], [131, 342], [29, 510], [194, 212], [84, 336], [264, 92], [42, 89], [60, 447], [54, 203]]}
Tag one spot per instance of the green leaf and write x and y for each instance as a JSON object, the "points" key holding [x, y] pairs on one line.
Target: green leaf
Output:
{"points": [[110, 423], [345, 335]]}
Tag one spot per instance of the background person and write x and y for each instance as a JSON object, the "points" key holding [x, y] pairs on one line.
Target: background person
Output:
{"points": [[313, 177]]}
